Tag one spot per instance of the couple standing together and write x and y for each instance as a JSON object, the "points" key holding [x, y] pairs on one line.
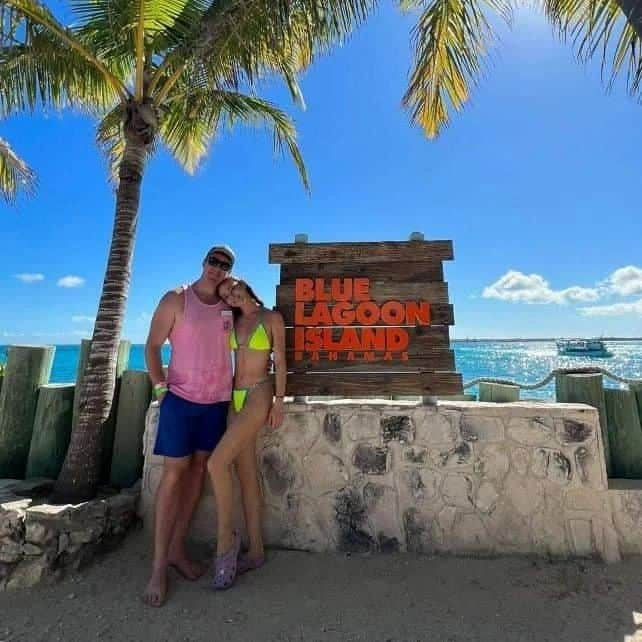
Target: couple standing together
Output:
{"points": [[210, 416]]}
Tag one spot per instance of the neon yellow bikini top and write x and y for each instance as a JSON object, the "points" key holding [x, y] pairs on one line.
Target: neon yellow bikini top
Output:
{"points": [[258, 339]]}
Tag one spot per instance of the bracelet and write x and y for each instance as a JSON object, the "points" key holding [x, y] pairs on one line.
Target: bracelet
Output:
{"points": [[159, 389], [279, 396]]}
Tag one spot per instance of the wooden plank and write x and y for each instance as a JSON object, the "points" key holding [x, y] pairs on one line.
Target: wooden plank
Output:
{"points": [[392, 271], [375, 385], [438, 359], [498, 393], [440, 314], [624, 433], [588, 389], [434, 292], [360, 252], [423, 339]]}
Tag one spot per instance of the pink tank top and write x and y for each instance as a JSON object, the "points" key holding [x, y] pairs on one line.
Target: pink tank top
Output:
{"points": [[200, 365]]}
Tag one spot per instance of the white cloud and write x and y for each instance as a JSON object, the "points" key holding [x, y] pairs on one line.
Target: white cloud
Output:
{"points": [[81, 318], [71, 281], [626, 281], [29, 277], [516, 286], [614, 310]]}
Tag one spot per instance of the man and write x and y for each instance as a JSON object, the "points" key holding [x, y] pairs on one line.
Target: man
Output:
{"points": [[193, 408]]}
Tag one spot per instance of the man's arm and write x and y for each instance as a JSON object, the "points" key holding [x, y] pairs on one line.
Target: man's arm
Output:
{"points": [[159, 329]]}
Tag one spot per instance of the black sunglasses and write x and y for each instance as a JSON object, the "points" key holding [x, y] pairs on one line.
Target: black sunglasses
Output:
{"points": [[226, 266]]}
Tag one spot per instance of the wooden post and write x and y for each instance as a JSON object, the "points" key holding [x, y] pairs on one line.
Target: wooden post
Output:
{"points": [[110, 424], [109, 428], [127, 460], [51, 430], [587, 389], [624, 430], [498, 392], [28, 368]]}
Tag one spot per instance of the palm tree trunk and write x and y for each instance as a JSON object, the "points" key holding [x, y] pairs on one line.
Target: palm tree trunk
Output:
{"points": [[632, 9], [80, 475]]}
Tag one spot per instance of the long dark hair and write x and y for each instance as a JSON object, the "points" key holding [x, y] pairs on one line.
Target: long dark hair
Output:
{"points": [[237, 311]]}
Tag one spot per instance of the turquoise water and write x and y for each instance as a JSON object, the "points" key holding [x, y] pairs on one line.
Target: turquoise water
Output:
{"points": [[523, 361]]}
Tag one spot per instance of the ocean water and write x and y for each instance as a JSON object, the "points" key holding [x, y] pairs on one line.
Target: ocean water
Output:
{"points": [[520, 361]]}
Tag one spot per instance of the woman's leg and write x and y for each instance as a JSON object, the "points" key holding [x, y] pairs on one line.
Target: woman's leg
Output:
{"points": [[241, 431], [252, 499]]}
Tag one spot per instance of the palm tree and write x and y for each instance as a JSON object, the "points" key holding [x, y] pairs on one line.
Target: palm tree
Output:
{"points": [[176, 72], [15, 175], [452, 37]]}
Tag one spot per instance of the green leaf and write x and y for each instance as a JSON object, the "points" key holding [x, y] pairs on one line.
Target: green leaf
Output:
{"points": [[451, 39], [15, 175]]}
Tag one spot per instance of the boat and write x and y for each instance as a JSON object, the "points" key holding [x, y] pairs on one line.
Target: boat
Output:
{"points": [[582, 348]]}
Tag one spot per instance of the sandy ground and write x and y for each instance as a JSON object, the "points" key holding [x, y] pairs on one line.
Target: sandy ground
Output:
{"points": [[303, 596]]}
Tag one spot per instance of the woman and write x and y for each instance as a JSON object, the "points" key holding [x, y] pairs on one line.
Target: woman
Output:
{"points": [[257, 335]]}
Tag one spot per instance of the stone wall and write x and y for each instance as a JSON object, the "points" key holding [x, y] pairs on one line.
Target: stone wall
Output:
{"points": [[462, 478], [39, 541]]}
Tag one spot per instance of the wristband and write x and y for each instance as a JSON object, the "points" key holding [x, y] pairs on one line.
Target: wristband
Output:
{"points": [[159, 389]]}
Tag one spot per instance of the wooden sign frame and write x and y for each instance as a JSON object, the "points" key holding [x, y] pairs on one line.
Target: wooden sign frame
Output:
{"points": [[366, 319]]}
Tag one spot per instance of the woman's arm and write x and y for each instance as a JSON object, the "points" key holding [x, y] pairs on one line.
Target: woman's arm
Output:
{"points": [[277, 326]]}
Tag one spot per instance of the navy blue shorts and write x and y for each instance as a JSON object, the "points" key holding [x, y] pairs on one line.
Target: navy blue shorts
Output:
{"points": [[185, 427]]}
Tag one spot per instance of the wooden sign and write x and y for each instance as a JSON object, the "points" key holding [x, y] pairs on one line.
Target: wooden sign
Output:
{"points": [[366, 319]]}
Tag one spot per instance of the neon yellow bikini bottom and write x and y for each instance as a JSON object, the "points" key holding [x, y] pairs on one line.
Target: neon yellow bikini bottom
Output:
{"points": [[240, 395]]}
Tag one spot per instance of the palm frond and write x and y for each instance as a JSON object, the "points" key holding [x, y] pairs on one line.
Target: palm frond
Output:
{"points": [[451, 39], [15, 175], [36, 13], [111, 139], [43, 72], [601, 28], [190, 122]]}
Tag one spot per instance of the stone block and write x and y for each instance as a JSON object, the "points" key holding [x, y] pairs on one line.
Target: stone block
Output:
{"points": [[535, 431], [31, 549], [38, 533], [460, 455], [553, 465], [416, 486], [486, 498], [353, 535], [457, 490], [574, 432], [492, 462], [420, 532], [10, 551], [437, 428], [279, 472], [300, 430], [397, 427], [361, 425], [324, 472], [520, 460], [371, 460], [28, 573], [484, 429], [415, 455], [332, 427]]}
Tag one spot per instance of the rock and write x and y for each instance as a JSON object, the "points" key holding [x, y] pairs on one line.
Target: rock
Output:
{"points": [[531, 431], [469, 534], [581, 537], [10, 551], [324, 472], [415, 455], [28, 573], [520, 458], [492, 463], [332, 427], [31, 549], [350, 518], [486, 497], [372, 460], [485, 429], [278, 470], [460, 455], [397, 427], [457, 490], [573, 432], [38, 533]]}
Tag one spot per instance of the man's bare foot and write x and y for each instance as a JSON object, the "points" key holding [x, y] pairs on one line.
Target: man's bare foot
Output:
{"points": [[156, 590], [189, 569]]}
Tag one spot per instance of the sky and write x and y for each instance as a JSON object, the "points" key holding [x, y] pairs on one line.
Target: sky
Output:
{"points": [[536, 183]]}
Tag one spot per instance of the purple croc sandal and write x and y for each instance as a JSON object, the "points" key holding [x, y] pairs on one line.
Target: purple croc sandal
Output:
{"points": [[225, 566], [247, 563]]}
